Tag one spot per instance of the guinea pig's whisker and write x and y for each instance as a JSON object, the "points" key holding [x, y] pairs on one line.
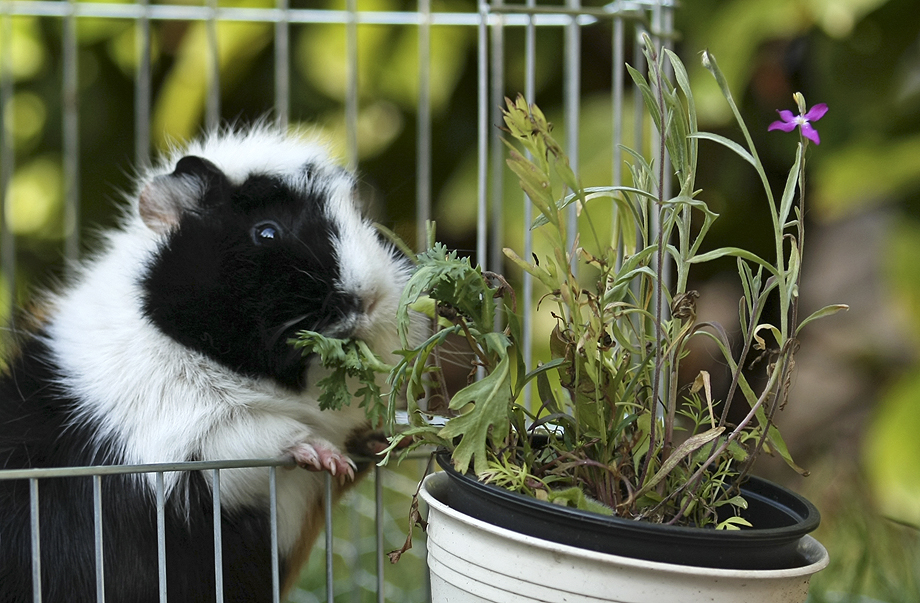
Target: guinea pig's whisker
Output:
{"points": [[327, 303], [281, 330], [307, 274]]}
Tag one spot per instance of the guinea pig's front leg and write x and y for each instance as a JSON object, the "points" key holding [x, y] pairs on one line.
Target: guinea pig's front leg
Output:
{"points": [[316, 454], [260, 434]]}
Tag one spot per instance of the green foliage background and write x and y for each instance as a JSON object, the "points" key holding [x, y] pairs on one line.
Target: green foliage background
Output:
{"points": [[861, 57]]}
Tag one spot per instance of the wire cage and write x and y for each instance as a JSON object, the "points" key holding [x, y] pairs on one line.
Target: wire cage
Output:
{"points": [[409, 91]]}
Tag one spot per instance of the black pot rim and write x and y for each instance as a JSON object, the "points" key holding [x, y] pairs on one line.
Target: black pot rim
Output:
{"points": [[803, 516]]}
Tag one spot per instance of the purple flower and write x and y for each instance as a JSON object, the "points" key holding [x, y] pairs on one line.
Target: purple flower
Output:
{"points": [[791, 121]]}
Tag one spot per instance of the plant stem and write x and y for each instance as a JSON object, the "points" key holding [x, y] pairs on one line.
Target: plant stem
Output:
{"points": [[790, 345], [801, 238], [439, 369], [659, 270], [474, 345]]}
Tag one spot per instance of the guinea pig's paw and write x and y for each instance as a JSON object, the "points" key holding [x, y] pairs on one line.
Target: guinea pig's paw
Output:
{"points": [[317, 454]]}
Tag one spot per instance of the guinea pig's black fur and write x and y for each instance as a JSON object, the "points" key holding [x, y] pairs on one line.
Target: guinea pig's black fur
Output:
{"points": [[172, 345]]}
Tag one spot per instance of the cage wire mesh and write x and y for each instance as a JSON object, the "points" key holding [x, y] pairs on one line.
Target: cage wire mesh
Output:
{"points": [[408, 90]]}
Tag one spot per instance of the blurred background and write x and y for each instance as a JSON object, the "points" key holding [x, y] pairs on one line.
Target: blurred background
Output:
{"points": [[70, 92]]}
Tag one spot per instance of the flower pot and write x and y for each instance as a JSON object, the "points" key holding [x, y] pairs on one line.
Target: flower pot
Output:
{"points": [[473, 561], [780, 516]]}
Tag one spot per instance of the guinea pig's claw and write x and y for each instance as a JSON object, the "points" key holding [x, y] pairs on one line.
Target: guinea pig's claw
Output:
{"points": [[350, 468], [323, 456]]}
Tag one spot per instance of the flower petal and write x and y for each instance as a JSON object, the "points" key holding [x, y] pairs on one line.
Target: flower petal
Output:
{"points": [[787, 116], [785, 126], [810, 133], [816, 112]]}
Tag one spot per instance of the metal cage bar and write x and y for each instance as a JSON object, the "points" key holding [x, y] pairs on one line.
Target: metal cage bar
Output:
{"points": [[161, 535], [482, 135], [423, 149], [273, 519], [351, 95], [35, 532], [70, 103], [572, 104], [496, 155], [97, 537], [218, 539], [282, 66], [327, 508], [7, 165], [142, 88], [212, 54]]}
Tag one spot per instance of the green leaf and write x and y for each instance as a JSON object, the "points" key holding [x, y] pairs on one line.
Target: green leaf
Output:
{"points": [[420, 435], [409, 374], [641, 166], [825, 311], [451, 280], [547, 394], [490, 399], [729, 143], [736, 501], [544, 367], [687, 200], [683, 80], [733, 252], [534, 181], [734, 523], [538, 272], [345, 358], [650, 103], [709, 62], [680, 453], [677, 132], [777, 443], [335, 394], [574, 497], [785, 204], [594, 192]]}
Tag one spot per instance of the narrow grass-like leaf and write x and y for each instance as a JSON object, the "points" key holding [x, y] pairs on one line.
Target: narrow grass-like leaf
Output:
{"points": [[680, 453], [651, 104], [779, 445], [785, 204], [728, 143], [683, 80], [825, 311], [732, 252], [594, 192]]}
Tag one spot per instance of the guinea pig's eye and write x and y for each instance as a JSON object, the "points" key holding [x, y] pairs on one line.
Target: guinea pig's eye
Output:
{"points": [[266, 233]]}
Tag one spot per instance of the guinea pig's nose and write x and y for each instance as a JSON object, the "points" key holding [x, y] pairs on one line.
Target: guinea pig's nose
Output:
{"points": [[346, 309], [350, 307]]}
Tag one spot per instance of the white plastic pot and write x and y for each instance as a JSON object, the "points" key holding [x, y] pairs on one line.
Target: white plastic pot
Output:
{"points": [[471, 561]]}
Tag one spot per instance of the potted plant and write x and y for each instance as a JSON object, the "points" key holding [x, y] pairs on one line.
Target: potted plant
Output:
{"points": [[654, 471]]}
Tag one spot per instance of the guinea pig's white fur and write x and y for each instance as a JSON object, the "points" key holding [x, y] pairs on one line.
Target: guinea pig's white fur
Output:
{"points": [[163, 402]]}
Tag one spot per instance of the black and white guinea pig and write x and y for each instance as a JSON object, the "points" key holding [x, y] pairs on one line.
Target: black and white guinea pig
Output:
{"points": [[172, 345]]}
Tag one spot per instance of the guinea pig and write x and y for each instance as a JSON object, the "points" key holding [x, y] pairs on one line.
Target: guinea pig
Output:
{"points": [[172, 344]]}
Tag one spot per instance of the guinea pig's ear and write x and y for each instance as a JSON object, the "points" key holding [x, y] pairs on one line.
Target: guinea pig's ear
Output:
{"points": [[193, 181]]}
